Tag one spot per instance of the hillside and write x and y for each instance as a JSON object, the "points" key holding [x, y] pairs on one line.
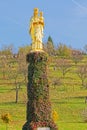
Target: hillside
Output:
{"points": [[67, 92]]}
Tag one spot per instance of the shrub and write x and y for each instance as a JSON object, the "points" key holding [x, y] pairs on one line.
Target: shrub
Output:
{"points": [[54, 116], [6, 119]]}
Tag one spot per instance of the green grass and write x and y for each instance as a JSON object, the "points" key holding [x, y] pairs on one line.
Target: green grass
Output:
{"points": [[17, 112], [72, 126], [68, 100], [69, 111]]}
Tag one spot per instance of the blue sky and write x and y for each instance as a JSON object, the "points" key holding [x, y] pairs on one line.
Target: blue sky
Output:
{"points": [[65, 21]]}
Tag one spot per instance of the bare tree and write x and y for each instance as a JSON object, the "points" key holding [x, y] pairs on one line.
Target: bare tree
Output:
{"points": [[5, 57], [76, 56], [82, 73], [3, 65], [23, 67], [15, 78], [64, 65], [56, 81], [13, 75], [85, 48], [63, 50]]}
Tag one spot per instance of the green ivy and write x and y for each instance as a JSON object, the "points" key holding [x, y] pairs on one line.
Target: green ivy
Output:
{"points": [[38, 105]]}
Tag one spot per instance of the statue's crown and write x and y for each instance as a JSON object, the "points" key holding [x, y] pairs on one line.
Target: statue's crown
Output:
{"points": [[41, 13], [36, 9]]}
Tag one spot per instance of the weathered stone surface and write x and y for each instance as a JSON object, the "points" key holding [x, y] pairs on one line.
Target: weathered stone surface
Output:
{"points": [[43, 128]]}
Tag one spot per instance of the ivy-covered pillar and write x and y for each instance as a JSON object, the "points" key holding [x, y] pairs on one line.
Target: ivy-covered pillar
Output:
{"points": [[38, 105]]}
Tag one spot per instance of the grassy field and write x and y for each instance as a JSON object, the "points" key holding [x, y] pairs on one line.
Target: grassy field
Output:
{"points": [[69, 109], [67, 99]]}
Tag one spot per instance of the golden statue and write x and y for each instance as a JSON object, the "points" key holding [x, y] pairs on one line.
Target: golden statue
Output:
{"points": [[36, 30]]}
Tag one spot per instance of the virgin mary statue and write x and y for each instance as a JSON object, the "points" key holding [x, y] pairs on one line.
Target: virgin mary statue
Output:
{"points": [[36, 30]]}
